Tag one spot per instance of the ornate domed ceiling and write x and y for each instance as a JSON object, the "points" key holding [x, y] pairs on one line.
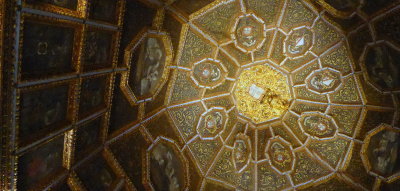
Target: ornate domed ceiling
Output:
{"points": [[266, 95], [210, 95]]}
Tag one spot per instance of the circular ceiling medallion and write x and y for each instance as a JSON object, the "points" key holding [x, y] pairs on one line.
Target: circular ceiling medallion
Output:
{"points": [[280, 154], [317, 125], [298, 42], [324, 81], [262, 93], [208, 73], [249, 32], [212, 123]]}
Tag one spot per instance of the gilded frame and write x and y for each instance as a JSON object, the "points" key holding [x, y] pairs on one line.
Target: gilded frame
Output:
{"points": [[146, 167], [76, 49], [364, 67], [106, 98], [113, 50], [364, 152], [69, 120], [70, 142], [132, 46], [50, 180]]}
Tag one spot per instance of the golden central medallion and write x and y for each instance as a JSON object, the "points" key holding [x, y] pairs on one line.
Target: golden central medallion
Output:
{"points": [[262, 93]]}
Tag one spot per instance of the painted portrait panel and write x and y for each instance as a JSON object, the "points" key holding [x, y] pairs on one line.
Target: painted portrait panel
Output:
{"points": [[104, 10], [40, 164], [87, 138], [97, 175], [383, 66], [47, 50], [69, 4], [384, 152], [166, 168], [147, 67], [98, 50], [93, 92], [42, 111]]}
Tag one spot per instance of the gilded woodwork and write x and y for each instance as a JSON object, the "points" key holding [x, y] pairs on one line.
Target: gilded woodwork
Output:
{"points": [[222, 95]]}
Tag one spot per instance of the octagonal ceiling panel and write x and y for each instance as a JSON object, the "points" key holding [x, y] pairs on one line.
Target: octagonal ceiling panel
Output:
{"points": [[381, 61], [241, 153], [262, 93], [280, 154], [381, 151], [149, 56], [298, 42], [208, 73], [212, 123], [164, 161], [324, 81], [248, 33]]}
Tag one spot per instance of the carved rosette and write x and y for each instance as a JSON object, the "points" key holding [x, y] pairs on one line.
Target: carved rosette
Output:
{"points": [[212, 123], [280, 154]]}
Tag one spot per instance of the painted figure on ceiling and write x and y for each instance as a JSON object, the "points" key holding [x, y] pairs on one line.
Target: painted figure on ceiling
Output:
{"points": [[384, 69], [165, 169], [152, 66], [386, 152]]}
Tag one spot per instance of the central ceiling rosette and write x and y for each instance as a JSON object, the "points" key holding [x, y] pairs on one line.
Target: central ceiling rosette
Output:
{"points": [[262, 93]]}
